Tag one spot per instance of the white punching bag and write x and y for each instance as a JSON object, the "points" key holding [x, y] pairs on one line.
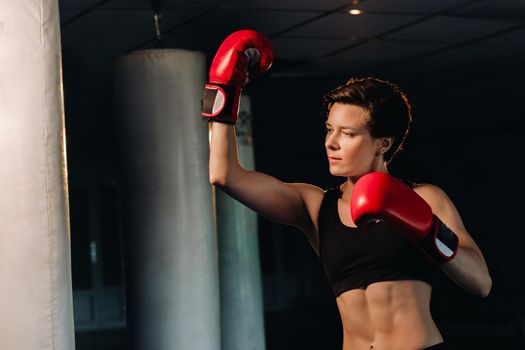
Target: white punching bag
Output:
{"points": [[172, 281], [36, 308]]}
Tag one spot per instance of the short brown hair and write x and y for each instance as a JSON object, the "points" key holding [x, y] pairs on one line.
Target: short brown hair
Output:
{"points": [[390, 112]]}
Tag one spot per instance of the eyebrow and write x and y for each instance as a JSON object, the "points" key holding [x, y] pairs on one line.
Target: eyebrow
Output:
{"points": [[342, 127]]}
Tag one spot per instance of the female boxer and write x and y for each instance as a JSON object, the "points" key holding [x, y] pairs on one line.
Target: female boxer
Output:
{"points": [[380, 269]]}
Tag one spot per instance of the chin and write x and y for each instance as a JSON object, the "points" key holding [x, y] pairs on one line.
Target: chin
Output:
{"points": [[336, 172], [348, 173]]}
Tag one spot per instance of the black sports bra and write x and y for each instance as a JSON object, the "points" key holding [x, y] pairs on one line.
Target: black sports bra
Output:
{"points": [[354, 258]]}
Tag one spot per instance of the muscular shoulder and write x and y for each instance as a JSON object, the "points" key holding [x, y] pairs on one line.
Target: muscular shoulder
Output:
{"points": [[440, 203], [432, 194]]}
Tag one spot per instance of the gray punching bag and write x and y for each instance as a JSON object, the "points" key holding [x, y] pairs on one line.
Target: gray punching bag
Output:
{"points": [[241, 288], [172, 282], [36, 307]]}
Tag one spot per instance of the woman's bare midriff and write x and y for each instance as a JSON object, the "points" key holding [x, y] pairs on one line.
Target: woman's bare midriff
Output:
{"points": [[388, 315]]}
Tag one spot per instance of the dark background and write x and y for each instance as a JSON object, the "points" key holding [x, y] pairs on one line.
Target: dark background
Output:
{"points": [[461, 65]]}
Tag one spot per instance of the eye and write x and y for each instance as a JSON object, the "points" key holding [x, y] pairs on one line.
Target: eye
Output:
{"points": [[350, 134], [328, 130]]}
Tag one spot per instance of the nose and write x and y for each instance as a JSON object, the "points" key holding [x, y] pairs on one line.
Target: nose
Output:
{"points": [[331, 142]]}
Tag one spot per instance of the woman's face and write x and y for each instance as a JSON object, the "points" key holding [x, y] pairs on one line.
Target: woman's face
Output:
{"points": [[350, 148]]}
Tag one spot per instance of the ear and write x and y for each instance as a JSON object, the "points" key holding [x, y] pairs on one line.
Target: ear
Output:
{"points": [[385, 143]]}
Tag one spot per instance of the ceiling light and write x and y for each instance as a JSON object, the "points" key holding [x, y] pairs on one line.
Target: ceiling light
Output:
{"points": [[355, 12]]}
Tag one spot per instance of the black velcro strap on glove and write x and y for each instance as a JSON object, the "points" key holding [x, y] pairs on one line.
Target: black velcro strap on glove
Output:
{"points": [[221, 103], [441, 244]]}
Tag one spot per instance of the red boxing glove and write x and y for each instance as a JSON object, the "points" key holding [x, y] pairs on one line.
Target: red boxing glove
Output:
{"points": [[242, 51], [379, 196]]}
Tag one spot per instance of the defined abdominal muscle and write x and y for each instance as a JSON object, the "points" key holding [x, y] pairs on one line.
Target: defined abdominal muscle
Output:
{"points": [[386, 313]]}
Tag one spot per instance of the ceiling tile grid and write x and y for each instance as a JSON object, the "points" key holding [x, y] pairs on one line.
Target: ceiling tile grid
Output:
{"points": [[296, 48], [511, 10], [376, 52], [342, 24], [208, 32], [514, 39], [367, 58], [303, 5], [410, 6], [451, 29], [319, 33]]}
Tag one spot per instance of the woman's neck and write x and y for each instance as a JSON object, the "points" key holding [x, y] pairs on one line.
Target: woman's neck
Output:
{"points": [[347, 187]]}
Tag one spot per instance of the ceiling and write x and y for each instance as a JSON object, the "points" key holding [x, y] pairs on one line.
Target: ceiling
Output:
{"points": [[311, 38]]}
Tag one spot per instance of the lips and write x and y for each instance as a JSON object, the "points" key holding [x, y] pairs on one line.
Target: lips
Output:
{"points": [[333, 159]]}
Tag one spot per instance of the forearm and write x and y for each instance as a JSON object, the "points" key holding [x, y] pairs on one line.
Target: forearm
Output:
{"points": [[469, 271], [224, 158], [242, 53]]}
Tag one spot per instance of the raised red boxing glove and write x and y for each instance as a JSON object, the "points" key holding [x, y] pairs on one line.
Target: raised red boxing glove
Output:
{"points": [[241, 52], [379, 196]]}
